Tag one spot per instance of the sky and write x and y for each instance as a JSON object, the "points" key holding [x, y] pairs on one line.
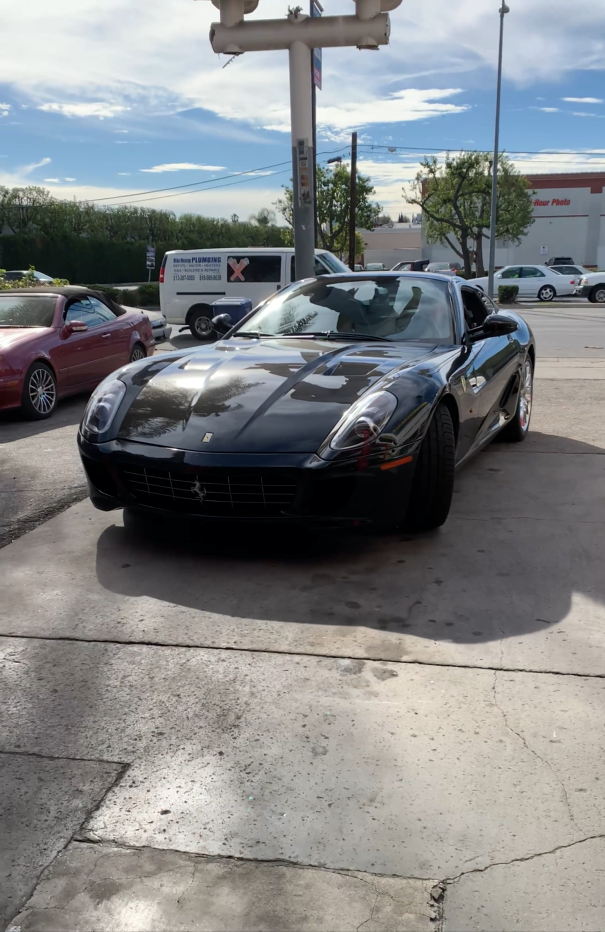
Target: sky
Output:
{"points": [[105, 101]]}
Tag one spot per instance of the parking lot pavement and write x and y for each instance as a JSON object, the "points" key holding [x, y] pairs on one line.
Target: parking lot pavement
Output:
{"points": [[40, 470], [385, 709]]}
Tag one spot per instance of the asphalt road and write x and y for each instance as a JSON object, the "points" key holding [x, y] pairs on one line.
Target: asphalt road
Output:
{"points": [[40, 471]]}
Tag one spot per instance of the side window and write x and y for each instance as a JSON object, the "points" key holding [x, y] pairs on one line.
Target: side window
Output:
{"points": [[489, 306], [511, 273], [530, 271], [101, 310], [320, 268], [253, 269], [475, 310], [82, 310], [293, 269]]}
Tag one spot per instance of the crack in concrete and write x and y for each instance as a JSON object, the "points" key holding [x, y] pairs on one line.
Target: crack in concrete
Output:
{"points": [[519, 860], [535, 753], [85, 760], [168, 645]]}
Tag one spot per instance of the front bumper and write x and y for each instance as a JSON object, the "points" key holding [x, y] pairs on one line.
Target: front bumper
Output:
{"points": [[582, 291], [161, 333], [11, 391], [301, 489]]}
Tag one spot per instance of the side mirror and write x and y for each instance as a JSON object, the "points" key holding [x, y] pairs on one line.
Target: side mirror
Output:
{"points": [[222, 324], [75, 326], [498, 325]]}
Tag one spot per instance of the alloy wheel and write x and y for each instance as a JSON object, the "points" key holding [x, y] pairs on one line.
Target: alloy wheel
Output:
{"points": [[42, 391], [137, 353], [526, 395]]}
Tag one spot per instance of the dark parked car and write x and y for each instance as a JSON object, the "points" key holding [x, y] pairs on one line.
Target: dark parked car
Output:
{"points": [[58, 341], [345, 400], [560, 260]]}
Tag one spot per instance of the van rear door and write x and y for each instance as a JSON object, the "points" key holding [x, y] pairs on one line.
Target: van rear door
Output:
{"points": [[253, 275]]}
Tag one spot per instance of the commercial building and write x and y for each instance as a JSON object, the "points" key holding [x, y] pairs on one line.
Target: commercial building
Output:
{"points": [[569, 220], [390, 245]]}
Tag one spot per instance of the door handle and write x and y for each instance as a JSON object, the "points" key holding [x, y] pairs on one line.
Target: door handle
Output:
{"points": [[106, 336]]}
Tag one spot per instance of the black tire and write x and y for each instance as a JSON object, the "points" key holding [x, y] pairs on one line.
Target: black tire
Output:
{"points": [[518, 426], [433, 483], [137, 352], [546, 293], [39, 392], [597, 295], [199, 320]]}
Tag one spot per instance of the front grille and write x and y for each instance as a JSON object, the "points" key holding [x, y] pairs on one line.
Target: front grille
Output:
{"points": [[238, 493]]}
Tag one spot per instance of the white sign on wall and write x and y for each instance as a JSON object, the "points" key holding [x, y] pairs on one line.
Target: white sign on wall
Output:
{"points": [[543, 250]]}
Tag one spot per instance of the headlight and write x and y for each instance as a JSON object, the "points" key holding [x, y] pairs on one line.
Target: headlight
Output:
{"points": [[583, 281], [102, 407], [363, 422]]}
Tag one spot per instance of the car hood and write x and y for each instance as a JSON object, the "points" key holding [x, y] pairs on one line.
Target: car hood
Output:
{"points": [[260, 396], [12, 338]]}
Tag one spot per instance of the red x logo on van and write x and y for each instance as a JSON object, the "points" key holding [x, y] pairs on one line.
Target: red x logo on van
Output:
{"points": [[238, 268]]}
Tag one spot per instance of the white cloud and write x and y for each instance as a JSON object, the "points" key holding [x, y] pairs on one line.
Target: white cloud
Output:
{"points": [[182, 167], [69, 179], [27, 169], [53, 180], [124, 173], [580, 113], [98, 109], [547, 109], [583, 100]]}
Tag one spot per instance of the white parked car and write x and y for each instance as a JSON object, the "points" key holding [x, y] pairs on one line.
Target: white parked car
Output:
{"points": [[533, 281], [191, 280], [573, 271], [592, 286]]}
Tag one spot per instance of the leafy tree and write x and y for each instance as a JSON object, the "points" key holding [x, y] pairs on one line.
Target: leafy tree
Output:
{"points": [[455, 199], [264, 217], [333, 199], [403, 218]]}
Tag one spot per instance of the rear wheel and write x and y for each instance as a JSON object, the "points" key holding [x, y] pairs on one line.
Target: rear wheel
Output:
{"points": [[39, 392], [137, 352], [433, 484], [546, 293], [597, 295], [200, 322], [516, 429]]}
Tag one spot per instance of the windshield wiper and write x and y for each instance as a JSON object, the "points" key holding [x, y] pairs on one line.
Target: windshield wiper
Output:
{"points": [[17, 326], [344, 335], [257, 334]]}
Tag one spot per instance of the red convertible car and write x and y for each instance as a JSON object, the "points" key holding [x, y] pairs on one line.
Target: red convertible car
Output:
{"points": [[59, 341]]}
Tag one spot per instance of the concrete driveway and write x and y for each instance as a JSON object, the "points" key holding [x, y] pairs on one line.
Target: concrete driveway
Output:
{"points": [[348, 731]]}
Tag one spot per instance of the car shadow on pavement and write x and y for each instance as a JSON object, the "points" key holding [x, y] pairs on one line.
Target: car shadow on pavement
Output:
{"points": [[14, 425], [523, 540]]}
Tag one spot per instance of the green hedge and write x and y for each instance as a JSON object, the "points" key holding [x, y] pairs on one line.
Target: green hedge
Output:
{"points": [[82, 259], [507, 294]]}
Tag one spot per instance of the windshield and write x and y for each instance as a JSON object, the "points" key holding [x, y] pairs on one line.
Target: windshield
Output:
{"points": [[401, 307], [334, 264], [20, 310]]}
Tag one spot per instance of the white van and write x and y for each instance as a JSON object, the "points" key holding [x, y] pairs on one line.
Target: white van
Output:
{"points": [[192, 279]]}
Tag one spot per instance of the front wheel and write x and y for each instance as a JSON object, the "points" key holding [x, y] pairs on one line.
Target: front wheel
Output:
{"points": [[597, 295], [200, 323], [39, 392], [433, 483], [516, 429], [546, 293]]}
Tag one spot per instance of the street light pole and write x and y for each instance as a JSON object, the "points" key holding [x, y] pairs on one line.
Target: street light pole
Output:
{"points": [[353, 202], [504, 9]]}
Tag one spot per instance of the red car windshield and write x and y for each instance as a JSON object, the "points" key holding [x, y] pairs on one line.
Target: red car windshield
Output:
{"points": [[25, 310]]}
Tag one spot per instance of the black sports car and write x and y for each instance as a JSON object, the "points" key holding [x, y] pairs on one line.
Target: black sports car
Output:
{"points": [[344, 400]]}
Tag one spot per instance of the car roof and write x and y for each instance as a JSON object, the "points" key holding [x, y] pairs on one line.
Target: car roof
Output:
{"points": [[244, 249], [62, 291]]}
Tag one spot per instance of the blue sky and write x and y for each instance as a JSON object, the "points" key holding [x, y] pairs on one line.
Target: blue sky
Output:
{"points": [[123, 97]]}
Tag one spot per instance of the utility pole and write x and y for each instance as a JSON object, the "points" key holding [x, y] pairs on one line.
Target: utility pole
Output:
{"points": [[369, 28], [492, 222], [315, 9], [353, 201]]}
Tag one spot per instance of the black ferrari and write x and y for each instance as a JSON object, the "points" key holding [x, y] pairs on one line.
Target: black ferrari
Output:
{"points": [[350, 399]]}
